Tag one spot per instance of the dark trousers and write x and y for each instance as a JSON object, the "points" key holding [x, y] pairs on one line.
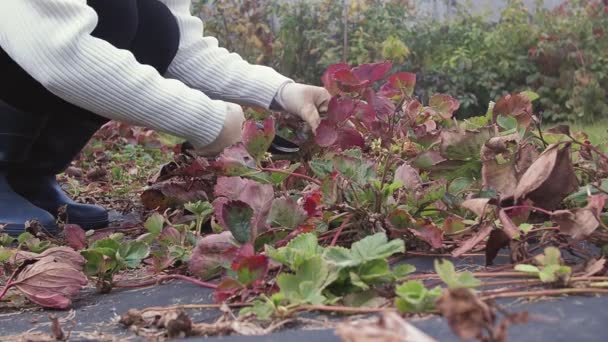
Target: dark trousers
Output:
{"points": [[145, 27]]}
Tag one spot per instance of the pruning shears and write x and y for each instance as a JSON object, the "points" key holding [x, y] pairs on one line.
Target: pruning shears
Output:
{"points": [[281, 145]]}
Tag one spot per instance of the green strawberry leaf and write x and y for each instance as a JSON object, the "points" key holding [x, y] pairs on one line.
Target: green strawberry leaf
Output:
{"points": [[447, 272]]}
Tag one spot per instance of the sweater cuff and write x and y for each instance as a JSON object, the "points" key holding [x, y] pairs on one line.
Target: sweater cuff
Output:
{"points": [[210, 127], [268, 88]]}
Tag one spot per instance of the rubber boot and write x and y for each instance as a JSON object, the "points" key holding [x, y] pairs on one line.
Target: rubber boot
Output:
{"points": [[17, 133], [59, 142]]}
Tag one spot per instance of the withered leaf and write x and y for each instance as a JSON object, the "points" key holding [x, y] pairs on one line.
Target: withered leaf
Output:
{"points": [[75, 236], [173, 193], [464, 145], [549, 179], [515, 105], [389, 327], [63, 254], [582, 222], [481, 235], [500, 176], [507, 225], [407, 175], [467, 315], [50, 282], [479, 206], [211, 253]]}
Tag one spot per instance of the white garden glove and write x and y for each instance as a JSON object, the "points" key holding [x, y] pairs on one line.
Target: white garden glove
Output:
{"points": [[305, 101], [230, 134]]}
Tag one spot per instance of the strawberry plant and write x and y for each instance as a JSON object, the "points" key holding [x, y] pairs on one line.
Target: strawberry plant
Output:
{"points": [[384, 176]]}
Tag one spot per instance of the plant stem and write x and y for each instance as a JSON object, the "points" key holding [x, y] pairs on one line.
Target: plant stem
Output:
{"points": [[9, 282], [299, 175], [512, 282], [589, 146], [339, 231], [344, 309], [540, 293], [193, 307], [529, 207], [476, 274], [167, 277]]}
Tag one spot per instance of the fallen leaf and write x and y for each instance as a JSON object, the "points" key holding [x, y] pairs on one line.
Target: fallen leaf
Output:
{"points": [[481, 235], [467, 315], [63, 254], [75, 236], [50, 282], [389, 327], [515, 105], [174, 193], [594, 267], [580, 223], [549, 179], [499, 176], [428, 232], [479, 206], [407, 175], [507, 225], [211, 254]]}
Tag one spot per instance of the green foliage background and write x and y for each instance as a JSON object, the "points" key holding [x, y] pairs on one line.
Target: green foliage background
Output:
{"points": [[560, 54]]}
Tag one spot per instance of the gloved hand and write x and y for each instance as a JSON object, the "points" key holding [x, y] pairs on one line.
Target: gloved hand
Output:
{"points": [[305, 101], [230, 134]]}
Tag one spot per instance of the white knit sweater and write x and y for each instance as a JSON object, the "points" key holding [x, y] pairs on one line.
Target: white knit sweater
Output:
{"points": [[51, 40]]}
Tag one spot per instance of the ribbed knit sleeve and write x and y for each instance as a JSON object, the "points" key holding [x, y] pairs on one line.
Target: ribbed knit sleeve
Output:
{"points": [[203, 65], [52, 41]]}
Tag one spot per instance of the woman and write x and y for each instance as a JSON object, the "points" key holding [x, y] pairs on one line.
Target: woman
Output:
{"points": [[69, 66]]}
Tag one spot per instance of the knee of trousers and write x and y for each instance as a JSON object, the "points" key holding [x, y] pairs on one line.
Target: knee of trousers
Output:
{"points": [[158, 36], [146, 28]]}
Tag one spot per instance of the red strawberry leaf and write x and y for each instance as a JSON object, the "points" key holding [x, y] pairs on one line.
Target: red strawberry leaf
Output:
{"points": [[329, 78], [326, 133], [251, 270], [403, 82], [235, 161], [349, 137], [372, 72], [444, 105], [340, 109], [256, 140]]}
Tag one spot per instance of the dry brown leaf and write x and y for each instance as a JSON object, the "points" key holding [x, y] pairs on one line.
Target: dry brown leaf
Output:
{"points": [[172, 193], [389, 327], [515, 105], [495, 175], [525, 157], [211, 253], [507, 225], [479, 206], [75, 236], [582, 222], [549, 179], [50, 282], [466, 314], [408, 176], [594, 267], [481, 235], [62, 254]]}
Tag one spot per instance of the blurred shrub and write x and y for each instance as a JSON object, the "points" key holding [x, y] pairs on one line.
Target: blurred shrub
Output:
{"points": [[560, 54]]}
